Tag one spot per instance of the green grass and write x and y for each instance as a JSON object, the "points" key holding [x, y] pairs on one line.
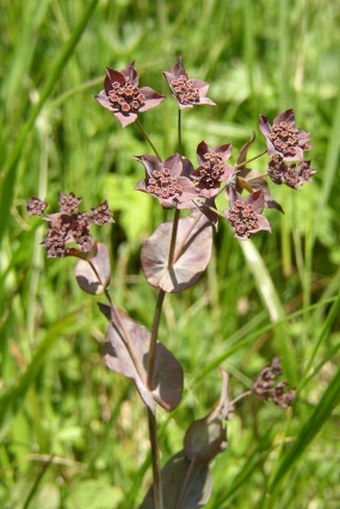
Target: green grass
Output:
{"points": [[72, 433]]}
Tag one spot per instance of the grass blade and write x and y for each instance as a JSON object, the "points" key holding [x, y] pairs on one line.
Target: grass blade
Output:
{"points": [[309, 430], [11, 164]]}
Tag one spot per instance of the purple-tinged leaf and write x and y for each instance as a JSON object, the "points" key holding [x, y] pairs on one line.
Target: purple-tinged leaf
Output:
{"points": [[192, 253], [242, 158], [207, 437], [126, 352], [93, 275], [185, 485]]}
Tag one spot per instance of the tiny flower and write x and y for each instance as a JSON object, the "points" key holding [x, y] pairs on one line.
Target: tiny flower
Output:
{"points": [[70, 227], [102, 214], [293, 175], [264, 386], [244, 214], [68, 202], [124, 97], [36, 207], [168, 181], [283, 138], [188, 92], [66, 228], [213, 169], [281, 398]]}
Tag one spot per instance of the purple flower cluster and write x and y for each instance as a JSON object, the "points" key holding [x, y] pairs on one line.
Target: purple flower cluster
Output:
{"points": [[124, 97], [285, 142], [265, 386], [177, 184], [174, 181], [69, 230]]}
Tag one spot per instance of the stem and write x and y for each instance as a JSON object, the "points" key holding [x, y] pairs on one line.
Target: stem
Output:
{"points": [[240, 165], [156, 467], [173, 239], [239, 397], [148, 139], [180, 144], [153, 337]]}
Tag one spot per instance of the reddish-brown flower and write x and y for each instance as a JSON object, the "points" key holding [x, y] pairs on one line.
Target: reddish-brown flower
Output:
{"points": [[124, 97], [69, 226], [168, 181], [36, 207], [264, 386], [188, 92], [213, 168], [283, 138], [244, 214], [293, 175]]}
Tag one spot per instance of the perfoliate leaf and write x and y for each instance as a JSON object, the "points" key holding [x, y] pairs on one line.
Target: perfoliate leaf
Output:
{"points": [[192, 253], [207, 437], [93, 275], [126, 352], [186, 485]]}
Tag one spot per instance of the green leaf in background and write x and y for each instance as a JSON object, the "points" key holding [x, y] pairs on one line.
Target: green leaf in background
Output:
{"points": [[134, 206], [94, 494]]}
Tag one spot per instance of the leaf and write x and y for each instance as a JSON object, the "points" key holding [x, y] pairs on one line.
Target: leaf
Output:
{"points": [[93, 275], [94, 494], [126, 352], [205, 438], [192, 253], [244, 151], [185, 485]]}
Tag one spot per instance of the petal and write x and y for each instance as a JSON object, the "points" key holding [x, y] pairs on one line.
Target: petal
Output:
{"points": [[111, 77], [206, 100], [256, 199], [265, 126], [141, 186], [285, 116], [174, 165], [104, 100], [150, 163], [179, 70], [263, 224], [125, 120], [202, 149], [202, 87], [131, 73], [225, 150], [304, 140], [188, 168], [185, 106], [169, 76], [152, 98], [233, 195]]}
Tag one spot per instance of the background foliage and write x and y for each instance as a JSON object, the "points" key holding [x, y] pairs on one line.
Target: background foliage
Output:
{"points": [[72, 433]]}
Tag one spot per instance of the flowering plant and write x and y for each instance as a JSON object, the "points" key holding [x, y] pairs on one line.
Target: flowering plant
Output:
{"points": [[173, 258]]}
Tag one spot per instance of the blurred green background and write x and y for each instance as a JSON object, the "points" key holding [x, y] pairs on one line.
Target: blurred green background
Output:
{"points": [[73, 434]]}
